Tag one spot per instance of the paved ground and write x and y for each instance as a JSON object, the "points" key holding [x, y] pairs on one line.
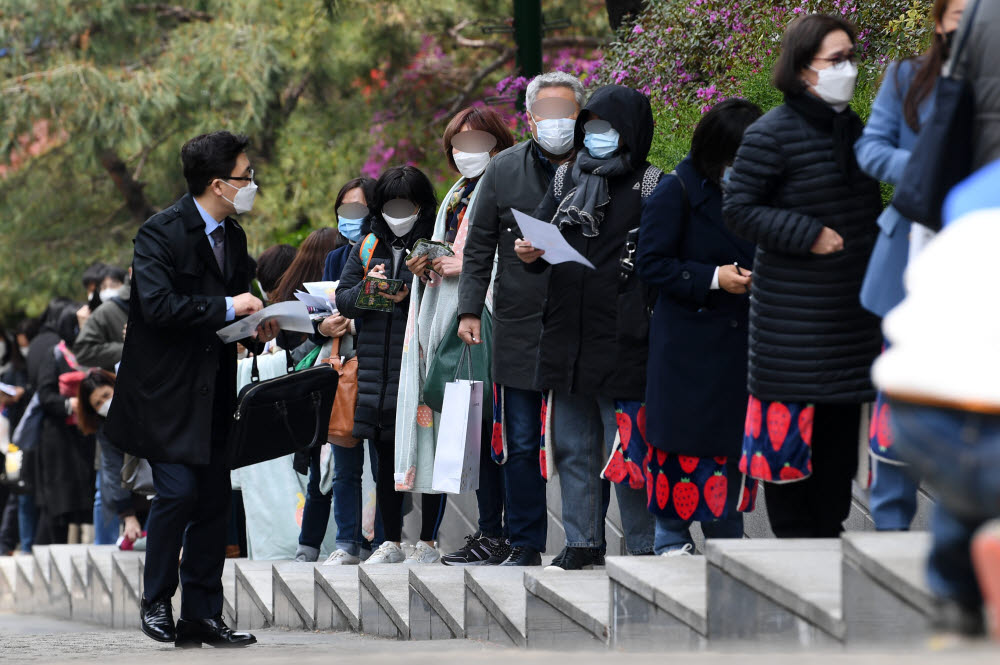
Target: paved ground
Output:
{"points": [[30, 639]]}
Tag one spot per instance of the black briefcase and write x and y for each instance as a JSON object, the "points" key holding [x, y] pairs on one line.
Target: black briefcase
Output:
{"points": [[281, 416]]}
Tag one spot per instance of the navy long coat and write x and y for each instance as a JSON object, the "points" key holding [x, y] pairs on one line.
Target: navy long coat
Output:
{"points": [[696, 392]]}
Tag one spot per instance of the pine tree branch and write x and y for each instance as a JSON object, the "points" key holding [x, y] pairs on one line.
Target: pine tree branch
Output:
{"points": [[477, 80], [176, 12]]}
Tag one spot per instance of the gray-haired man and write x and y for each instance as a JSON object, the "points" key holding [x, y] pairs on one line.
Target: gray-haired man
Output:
{"points": [[517, 179]]}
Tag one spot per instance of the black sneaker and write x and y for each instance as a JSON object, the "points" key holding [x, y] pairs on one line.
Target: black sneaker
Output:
{"points": [[501, 550], [522, 555], [575, 558], [953, 618], [477, 551]]}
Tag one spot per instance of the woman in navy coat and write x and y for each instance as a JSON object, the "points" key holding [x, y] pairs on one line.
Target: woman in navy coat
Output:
{"points": [[696, 392]]}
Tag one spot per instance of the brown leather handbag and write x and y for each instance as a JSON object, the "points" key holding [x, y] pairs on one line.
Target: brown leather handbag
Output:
{"points": [[342, 414]]}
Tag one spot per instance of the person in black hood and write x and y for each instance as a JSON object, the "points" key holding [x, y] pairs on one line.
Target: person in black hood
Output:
{"points": [[593, 349], [403, 211]]}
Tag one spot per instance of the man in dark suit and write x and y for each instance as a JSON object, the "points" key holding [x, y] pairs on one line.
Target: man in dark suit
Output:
{"points": [[176, 387]]}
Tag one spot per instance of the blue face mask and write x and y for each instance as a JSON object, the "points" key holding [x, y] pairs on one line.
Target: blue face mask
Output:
{"points": [[350, 228], [601, 145]]}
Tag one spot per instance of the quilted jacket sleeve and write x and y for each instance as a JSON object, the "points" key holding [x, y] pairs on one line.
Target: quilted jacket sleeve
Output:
{"points": [[757, 173]]}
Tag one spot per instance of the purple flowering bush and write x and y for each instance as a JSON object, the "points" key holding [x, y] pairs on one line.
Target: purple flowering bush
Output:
{"points": [[688, 55]]}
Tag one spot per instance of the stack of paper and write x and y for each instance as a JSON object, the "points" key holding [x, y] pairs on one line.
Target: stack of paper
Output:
{"points": [[290, 315]]}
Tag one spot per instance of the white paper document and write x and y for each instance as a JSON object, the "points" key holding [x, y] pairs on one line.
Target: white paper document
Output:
{"points": [[322, 289], [543, 235], [8, 389], [316, 302], [291, 315]]}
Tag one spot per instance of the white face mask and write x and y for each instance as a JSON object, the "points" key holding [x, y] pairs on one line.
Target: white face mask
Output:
{"points": [[103, 411], [555, 135], [401, 226], [107, 294], [243, 201], [835, 84], [471, 164], [24, 351]]}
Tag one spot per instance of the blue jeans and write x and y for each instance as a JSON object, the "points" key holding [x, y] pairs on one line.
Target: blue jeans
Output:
{"points": [[585, 429], [958, 453], [527, 520], [893, 496], [673, 534], [348, 465], [27, 520], [111, 497]]}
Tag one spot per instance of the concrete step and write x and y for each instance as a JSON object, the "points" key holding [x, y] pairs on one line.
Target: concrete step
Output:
{"points": [[567, 609], [658, 602], [229, 591], [496, 604], [437, 602], [100, 569], [61, 580], [8, 583], [384, 603], [126, 588], [254, 594], [24, 593], [885, 593], [336, 598], [79, 588], [784, 592], [41, 576], [294, 587]]}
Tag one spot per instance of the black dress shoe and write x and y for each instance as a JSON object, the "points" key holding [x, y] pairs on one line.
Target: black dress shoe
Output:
{"points": [[158, 620], [523, 556], [214, 632]]}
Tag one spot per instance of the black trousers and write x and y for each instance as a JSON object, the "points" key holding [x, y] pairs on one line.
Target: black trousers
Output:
{"points": [[390, 502], [191, 509], [817, 507]]}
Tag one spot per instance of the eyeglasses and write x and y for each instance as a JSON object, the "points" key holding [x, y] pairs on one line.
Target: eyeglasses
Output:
{"points": [[246, 179], [840, 57]]}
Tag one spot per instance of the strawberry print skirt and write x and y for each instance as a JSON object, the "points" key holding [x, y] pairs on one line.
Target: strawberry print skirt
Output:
{"points": [[880, 435], [693, 488], [777, 441], [677, 486]]}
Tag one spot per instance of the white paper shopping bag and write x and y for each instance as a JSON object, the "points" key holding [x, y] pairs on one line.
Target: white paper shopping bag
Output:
{"points": [[456, 459]]}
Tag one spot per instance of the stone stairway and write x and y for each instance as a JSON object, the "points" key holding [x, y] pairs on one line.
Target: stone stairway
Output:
{"points": [[865, 588]]}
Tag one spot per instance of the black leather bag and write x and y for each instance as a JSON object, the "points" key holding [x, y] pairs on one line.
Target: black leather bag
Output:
{"points": [[281, 416], [942, 156]]}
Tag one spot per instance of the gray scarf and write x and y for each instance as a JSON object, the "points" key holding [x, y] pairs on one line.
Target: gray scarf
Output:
{"points": [[584, 205]]}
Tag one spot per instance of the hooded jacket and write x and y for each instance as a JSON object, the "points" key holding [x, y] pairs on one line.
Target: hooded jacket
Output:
{"points": [[100, 341], [594, 338], [380, 334]]}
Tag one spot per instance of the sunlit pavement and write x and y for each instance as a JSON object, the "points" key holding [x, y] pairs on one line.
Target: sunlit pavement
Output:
{"points": [[33, 639]]}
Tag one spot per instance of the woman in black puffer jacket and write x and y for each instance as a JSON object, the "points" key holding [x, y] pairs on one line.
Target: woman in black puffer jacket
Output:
{"points": [[797, 193], [403, 211]]}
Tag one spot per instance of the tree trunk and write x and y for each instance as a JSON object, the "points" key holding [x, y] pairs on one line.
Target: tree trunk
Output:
{"points": [[131, 190]]}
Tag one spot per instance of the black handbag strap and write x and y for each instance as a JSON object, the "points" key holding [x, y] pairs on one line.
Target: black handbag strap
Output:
{"points": [[956, 55], [282, 408], [255, 372]]}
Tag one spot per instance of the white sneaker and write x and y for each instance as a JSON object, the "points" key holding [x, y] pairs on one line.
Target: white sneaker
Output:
{"points": [[687, 550], [388, 552], [423, 553], [341, 558]]}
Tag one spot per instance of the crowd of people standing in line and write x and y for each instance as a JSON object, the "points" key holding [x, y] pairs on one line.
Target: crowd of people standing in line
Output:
{"points": [[724, 337]]}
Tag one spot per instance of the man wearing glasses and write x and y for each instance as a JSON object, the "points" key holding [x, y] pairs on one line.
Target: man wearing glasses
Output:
{"points": [[176, 387]]}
